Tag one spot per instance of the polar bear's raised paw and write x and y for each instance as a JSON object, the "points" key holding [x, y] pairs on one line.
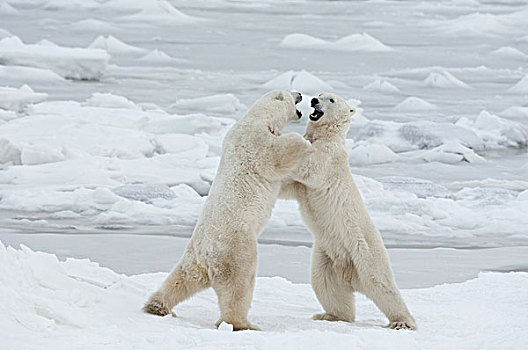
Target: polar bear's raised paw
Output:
{"points": [[156, 307]]}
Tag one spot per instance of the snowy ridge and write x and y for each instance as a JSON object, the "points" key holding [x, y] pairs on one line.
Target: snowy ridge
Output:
{"points": [[48, 303]]}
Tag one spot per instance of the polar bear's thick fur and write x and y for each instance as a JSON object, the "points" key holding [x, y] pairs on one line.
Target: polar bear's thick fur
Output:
{"points": [[222, 252], [348, 252]]}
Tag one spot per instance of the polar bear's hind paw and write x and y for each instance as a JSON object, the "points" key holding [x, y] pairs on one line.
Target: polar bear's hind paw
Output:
{"points": [[402, 325], [330, 317]]}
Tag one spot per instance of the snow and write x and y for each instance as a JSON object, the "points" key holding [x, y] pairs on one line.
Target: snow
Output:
{"points": [[114, 46], [443, 79], [510, 52], [353, 42], [157, 56], [521, 87], [159, 13], [225, 104], [298, 81], [414, 103], [48, 303], [73, 63], [381, 85], [110, 101], [7, 9], [363, 153], [17, 99]]}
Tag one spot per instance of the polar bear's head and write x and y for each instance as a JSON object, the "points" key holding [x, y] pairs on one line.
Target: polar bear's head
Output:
{"points": [[284, 101], [331, 114]]}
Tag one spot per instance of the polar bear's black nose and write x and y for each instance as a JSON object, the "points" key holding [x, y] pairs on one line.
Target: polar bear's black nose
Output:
{"points": [[298, 97], [314, 102]]}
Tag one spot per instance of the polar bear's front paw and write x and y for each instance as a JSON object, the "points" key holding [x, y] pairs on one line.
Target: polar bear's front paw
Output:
{"points": [[156, 307], [330, 317], [402, 325]]}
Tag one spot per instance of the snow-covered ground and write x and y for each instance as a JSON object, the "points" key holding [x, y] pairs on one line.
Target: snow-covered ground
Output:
{"points": [[112, 115], [78, 304]]}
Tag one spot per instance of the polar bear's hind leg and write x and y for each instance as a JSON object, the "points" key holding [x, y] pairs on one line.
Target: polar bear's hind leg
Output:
{"points": [[335, 293]]}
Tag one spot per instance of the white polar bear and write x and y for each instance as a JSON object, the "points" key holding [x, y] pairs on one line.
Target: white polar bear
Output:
{"points": [[222, 252], [348, 252]]}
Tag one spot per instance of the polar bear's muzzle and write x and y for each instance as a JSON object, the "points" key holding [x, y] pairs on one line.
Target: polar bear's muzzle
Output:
{"points": [[318, 110]]}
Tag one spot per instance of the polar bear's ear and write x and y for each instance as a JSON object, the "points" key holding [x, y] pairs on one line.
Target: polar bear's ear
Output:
{"points": [[280, 96]]}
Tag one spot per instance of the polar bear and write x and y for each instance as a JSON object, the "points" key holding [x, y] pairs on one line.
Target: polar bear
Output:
{"points": [[222, 252], [348, 252]]}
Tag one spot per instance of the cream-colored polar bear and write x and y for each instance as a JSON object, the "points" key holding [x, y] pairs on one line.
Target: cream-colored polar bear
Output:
{"points": [[348, 252], [222, 252]]}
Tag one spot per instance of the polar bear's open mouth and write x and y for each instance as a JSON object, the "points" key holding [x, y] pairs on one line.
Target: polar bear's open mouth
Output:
{"points": [[316, 114], [299, 114]]}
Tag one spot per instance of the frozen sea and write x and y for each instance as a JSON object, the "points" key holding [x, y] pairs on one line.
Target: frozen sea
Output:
{"points": [[112, 114]]}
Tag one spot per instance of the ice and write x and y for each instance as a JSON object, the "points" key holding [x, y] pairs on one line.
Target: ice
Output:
{"points": [[420, 187], [9, 153], [510, 52], [496, 131], [114, 46], [443, 79], [381, 85], [73, 63], [144, 192], [82, 304], [363, 153], [159, 12], [40, 154], [477, 24], [451, 153], [110, 101], [225, 103], [157, 56], [28, 74], [521, 87], [93, 25], [17, 99], [4, 33], [353, 42], [413, 104], [298, 81]]}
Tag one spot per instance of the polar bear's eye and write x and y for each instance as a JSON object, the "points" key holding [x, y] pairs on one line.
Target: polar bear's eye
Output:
{"points": [[332, 100]]}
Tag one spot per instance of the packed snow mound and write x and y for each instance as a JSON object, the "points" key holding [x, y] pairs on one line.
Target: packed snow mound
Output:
{"points": [[414, 104], [452, 153], [9, 153], [496, 131], [509, 52], [84, 304], [363, 153], [114, 46], [298, 81], [72, 63], [157, 56], [93, 25], [443, 79], [476, 24], [353, 42], [159, 12], [381, 85], [223, 103], [17, 99], [107, 100], [521, 87]]}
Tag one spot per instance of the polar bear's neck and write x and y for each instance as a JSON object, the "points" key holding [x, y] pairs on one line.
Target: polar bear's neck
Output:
{"points": [[329, 132]]}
